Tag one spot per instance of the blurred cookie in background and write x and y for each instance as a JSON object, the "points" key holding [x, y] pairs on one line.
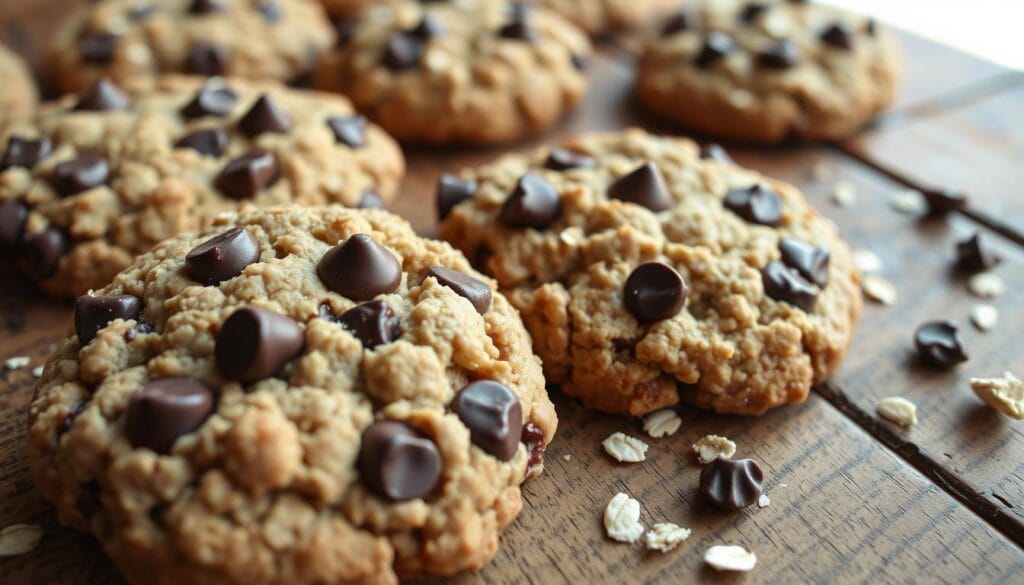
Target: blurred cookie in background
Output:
{"points": [[19, 95]]}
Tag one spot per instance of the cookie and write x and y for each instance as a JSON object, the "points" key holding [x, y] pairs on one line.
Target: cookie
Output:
{"points": [[467, 71], [300, 395], [19, 96], [125, 39], [604, 16], [347, 7], [769, 71], [97, 178], [649, 272]]}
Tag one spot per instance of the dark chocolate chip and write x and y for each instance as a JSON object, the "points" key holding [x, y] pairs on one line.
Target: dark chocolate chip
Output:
{"points": [[71, 416], [206, 141], [265, 116], [756, 204], [518, 28], [810, 261], [94, 313], [974, 254], [938, 343], [255, 343], [398, 463], [402, 52], [643, 186], [211, 100], [166, 409], [25, 152], [493, 415], [451, 191], [838, 35], [348, 130], [206, 6], [579, 61], [654, 292], [360, 269], [560, 159], [871, 27], [942, 201], [222, 257], [679, 22], [13, 215], [370, 199], [751, 11], [98, 49], [428, 28], [245, 176], [346, 27], [41, 253], [102, 97], [783, 54], [464, 285], [785, 284], [80, 174], [533, 437], [374, 323], [269, 10], [732, 485], [208, 59], [716, 46], [714, 151], [533, 203]]}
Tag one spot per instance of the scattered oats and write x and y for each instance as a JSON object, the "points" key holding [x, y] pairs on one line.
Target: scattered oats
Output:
{"points": [[665, 536], [821, 171], [37, 372], [16, 363], [570, 237], [986, 285], [1004, 394], [898, 410], [729, 557], [567, 457], [866, 261], [711, 447], [844, 194], [662, 423], [879, 290], [764, 501], [622, 519], [909, 201], [624, 448], [18, 539], [984, 317]]}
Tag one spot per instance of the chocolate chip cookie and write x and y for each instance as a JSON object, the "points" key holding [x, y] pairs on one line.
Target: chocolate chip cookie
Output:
{"points": [[468, 71], [125, 39], [94, 179], [299, 395], [769, 70], [649, 271], [348, 7], [604, 16], [19, 95]]}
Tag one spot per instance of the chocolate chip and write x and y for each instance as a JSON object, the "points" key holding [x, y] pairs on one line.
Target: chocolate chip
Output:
{"points": [[41, 253], [654, 292], [838, 35], [451, 191], [80, 174], [810, 261], [360, 269], [206, 141], [732, 485], [679, 22], [166, 409], [402, 52], [94, 313], [579, 61], [974, 254], [269, 10], [756, 204], [374, 323], [751, 11], [428, 28], [871, 27], [464, 285], [102, 97], [25, 152], [264, 116], [222, 257], [493, 415], [348, 130], [782, 54], [716, 46], [255, 343], [560, 159], [397, 463], [942, 201], [245, 176], [98, 49], [533, 437], [938, 343], [71, 416], [785, 284], [370, 199], [206, 6], [533, 203], [207, 59], [715, 152], [518, 28], [346, 27], [644, 186], [211, 100], [13, 215]]}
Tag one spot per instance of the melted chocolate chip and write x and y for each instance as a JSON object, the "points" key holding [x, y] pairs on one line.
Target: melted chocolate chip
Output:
{"points": [[493, 415], [715, 152], [348, 130], [756, 204], [92, 314], [98, 49], [644, 186], [716, 46], [102, 97], [810, 261], [654, 292], [255, 343], [211, 100], [247, 175], [464, 285], [785, 284], [533, 203], [360, 269], [373, 324], [25, 152], [560, 159], [732, 485], [370, 199], [974, 254], [206, 6], [80, 174], [206, 141], [264, 116], [402, 52], [208, 59], [166, 409], [13, 215], [451, 191], [783, 54], [751, 11], [838, 35], [41, 253], [222, 257], [397, 463], [938, 343], [533, 436], [679, 22]]}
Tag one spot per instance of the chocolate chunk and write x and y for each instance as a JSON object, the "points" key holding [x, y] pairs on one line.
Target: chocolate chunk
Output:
{"points": [[679, 22], [533, 203], [346, 27], [13, 215], [871, 27], [782, 54], [80, 174], [397, 463], [348, 130], [402, 52], [264, 116], [374, 323], [360, 269], [756, 204], [428, 28], [451, 191], [41, 253], [222, 257], [25, 152], [785, 284], [716, 46], [211, 100], [102, 97], [71, 416], [974, 254], [838, 35], [371, 199], [751, 11], [245, 176], [269, 10], [94, 313], [938, 343], [464, 285], [493, 415], [207, 59], [560, 159], [654, 292], [715, 152], [942, 201], [810, 261], [579, 61], [732, 485], [206, 6], [255, 343], [644, 186], [533, 436], [166, 409], [206, 141], [518, 28], [98, 49]]}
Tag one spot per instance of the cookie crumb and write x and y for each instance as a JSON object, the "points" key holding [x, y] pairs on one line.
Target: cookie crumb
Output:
{"points": [[909, 201], [18, 539], [898, 410], [16, 363], [866, 261], [984, 317], [764, 501], [1004, 394], [567, 457], [622, 519], [711, 447], [986, 285], [879, 290], [729, 557], [821, 171], [662, 423], [665, 536], [37, 372], [624, 448], [844, 194]]}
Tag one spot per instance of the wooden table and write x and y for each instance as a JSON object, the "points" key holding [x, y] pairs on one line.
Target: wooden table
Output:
{"points": [[853, 498]]}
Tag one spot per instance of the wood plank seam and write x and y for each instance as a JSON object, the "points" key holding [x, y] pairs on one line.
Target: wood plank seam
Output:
{"points": [[957, 98]]}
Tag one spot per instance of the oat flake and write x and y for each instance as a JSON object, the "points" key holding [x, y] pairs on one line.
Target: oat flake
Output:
{"points": [[16, 363], [662, 423], [18, 539], [986, 285], [866, 261], [727, 557], [624, 448], [665, 536], [622, 519], [879, 290], [1004, 394], [711, 447], [984, 317], [898, 410]]}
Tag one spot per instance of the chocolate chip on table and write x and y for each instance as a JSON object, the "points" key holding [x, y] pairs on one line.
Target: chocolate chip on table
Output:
{"points": [[206, 6], [644, 186], [756, 204], [397, 463], [974, 254], [677, 23], [402, 52], [751, 11], [560, 159], [254, 344], [942, 201], [13, 215], [654, 291], [25, 152], [809, 260], [838, 35], [80, 174], [451, 191], [98, 49], [493, 415], [166, 409], [464, 285], [264, 116], [40, 254], [714, 151], [533, 203], [716, 46], [427, 28], [783, 54], [533, 437], [370, 199], [360, 269], [348, 130], [207, 59], [732, 485], [222, 257], [102, 97], [785, 284], [206, 141], [211, 100], [938, 343], [245, 176], [269, 10], [373, 324], [94, 313]]}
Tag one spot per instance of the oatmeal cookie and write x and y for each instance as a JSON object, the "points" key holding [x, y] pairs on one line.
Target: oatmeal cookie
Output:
{"points": [[604, 16], [19, 96]]}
